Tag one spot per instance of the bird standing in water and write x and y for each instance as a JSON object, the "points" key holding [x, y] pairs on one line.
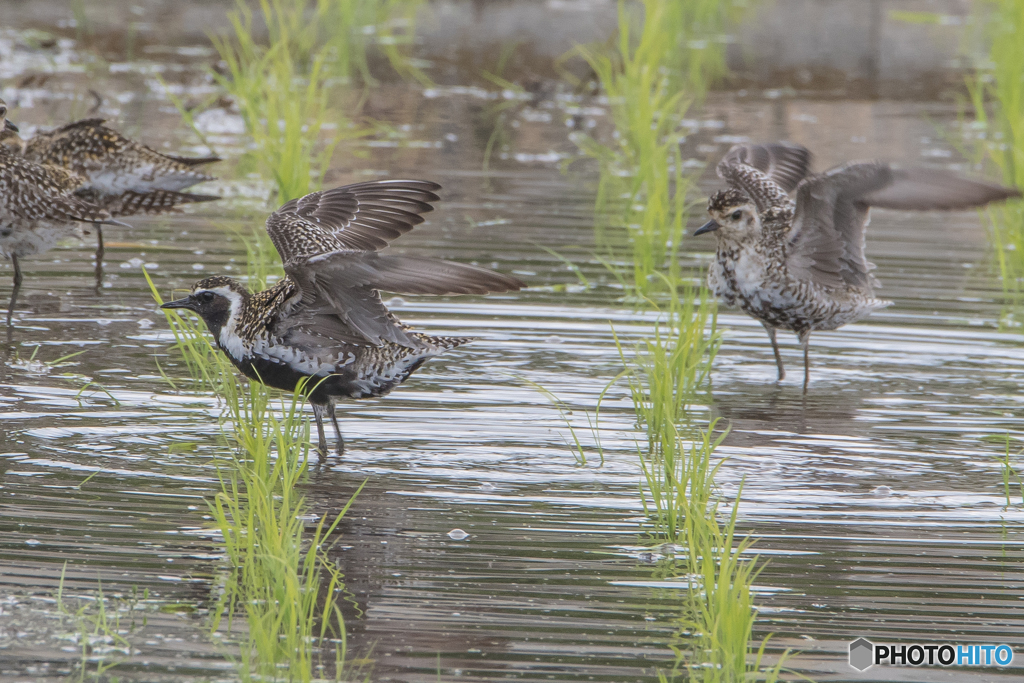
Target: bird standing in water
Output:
{"points": [[325, 319], [799, 264], [37, 207], [116, 173]]}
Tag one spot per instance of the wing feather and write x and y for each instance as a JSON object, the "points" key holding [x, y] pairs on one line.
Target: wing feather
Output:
{"points": [[826, 244], [341, 293], [766, 173], [361, 217]]}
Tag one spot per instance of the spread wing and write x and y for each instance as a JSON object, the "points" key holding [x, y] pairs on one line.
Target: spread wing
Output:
{"points": [[826, 244], [363, 217], [341, 299], [765, 173]]}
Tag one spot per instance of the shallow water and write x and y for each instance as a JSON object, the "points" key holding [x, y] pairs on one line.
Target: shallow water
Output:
{"points": [[552, 582]]}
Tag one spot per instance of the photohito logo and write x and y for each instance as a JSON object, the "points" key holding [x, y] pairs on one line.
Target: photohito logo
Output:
{"points": [[864, 654]]}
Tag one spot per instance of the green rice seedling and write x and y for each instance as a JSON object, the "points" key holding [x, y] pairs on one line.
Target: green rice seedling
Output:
{"points": [[679, 482], [83, 27], [283, 88], [32, 364], [98, 631], [668, 370], [1009, 472], [360, 23], [283, 92], [281, 577], [657, 68], [718, 622], [188, 113], [579, 450], [497, 114], [284, 112], [999, 82], [263, 267], [635, 170]]}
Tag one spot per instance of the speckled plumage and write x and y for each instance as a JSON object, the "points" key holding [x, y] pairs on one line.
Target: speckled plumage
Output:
{"points": [[799, 264], [37, 207], [110, 171], [119, 174], [325, 320]]}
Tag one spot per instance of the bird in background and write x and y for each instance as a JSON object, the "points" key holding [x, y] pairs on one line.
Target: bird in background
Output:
{"points": [[325, 320], [38, 206], [116, 173], [798, 263]]}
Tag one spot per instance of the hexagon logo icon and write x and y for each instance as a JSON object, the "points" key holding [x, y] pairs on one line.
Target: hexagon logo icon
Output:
{"points": [[861, 654]]}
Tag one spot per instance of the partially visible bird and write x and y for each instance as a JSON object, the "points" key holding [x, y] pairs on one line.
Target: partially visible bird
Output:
{"points": [[325, 320], [122, 176], [799, 264], [37, 207]]}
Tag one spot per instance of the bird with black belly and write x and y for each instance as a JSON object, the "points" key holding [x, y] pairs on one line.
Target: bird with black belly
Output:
{"points": [[325, 320], [798, 264]]}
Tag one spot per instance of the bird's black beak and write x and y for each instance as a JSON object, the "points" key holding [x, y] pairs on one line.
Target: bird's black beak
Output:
{"points": [[10, 126], [710, 226], [188, 302]]}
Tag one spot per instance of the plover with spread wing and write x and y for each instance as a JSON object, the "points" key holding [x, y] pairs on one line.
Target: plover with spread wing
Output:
{"points": [[325, 319], [798, 264]]}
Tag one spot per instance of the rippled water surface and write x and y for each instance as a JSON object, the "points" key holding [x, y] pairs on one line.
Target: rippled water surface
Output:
{"points": [[877, 498]]}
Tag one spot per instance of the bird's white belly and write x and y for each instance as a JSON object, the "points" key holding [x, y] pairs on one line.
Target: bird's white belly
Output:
{"points": [[750, 276], [20, 239], [316, 365]]}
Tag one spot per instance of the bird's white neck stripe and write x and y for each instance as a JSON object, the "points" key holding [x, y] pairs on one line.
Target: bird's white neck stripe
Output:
{"points": [[229, 339]]}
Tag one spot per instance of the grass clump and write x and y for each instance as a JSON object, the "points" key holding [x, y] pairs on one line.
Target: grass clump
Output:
{"points": [[281, 577], [682, 504], [288, 87], [101, 625], [719, 614], [1010, 474], [999, 82], [282, 90], [656, 69], [285, 86]]}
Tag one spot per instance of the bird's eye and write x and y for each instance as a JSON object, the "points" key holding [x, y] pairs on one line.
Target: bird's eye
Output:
{"points": [[736, 214], [3, 111], [204, 297]]}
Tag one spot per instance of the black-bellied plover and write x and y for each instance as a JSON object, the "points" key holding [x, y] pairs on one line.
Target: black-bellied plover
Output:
{"points": [[325, 319], [37, 207], [799, 264]]}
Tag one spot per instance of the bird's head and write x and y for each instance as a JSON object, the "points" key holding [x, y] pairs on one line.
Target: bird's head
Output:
{"points": [[8, 131], [733, 214], [217, 300]]}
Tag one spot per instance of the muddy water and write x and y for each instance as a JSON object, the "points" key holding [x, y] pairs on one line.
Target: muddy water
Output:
{"points": [[876, 498]]}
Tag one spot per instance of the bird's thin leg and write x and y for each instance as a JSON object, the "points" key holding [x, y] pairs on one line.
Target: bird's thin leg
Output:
{"points": [[775, 348], [319, 411], [100, 253], [337, 429], [805, 338], [14, 292]]}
